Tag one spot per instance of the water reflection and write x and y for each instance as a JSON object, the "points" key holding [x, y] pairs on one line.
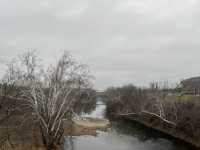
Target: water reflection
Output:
{"points": [[124, 135], [114, 141], [98, 112], [69, 143], [86, 105]]}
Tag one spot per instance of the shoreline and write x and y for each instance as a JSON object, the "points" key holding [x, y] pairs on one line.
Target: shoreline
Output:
{"points": [[164, 128]]}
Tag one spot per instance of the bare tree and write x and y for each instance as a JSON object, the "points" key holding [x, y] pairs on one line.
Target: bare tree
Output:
{"points": [[29, 64], [52, 96], [23, 68], [51, 93], [130, 100], [7, 107], [157, 102]]}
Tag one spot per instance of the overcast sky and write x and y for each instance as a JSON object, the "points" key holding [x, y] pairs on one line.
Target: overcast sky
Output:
{"points": [[123, 41]]}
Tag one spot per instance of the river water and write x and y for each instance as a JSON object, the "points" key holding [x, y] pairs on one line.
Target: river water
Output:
{"points": [[124, 135]]}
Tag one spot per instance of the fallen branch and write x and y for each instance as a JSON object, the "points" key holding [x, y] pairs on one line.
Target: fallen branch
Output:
{"points": [[149, 113], [157, 116], [126, 114]]}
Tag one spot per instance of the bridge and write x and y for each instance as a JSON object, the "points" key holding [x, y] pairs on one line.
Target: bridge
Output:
{"points": [[101, 94]]}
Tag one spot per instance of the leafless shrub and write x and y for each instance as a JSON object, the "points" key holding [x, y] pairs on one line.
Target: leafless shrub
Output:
{"points": [[53, 95], [154, 102], [50, 94], [126, 99], [7, 108]]}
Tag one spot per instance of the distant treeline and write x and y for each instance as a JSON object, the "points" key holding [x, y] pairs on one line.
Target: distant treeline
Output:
{"points": [[172, 108]]}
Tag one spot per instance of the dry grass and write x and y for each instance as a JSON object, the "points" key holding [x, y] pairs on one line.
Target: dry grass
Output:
{"points": [[86, 126], [30, 139]]}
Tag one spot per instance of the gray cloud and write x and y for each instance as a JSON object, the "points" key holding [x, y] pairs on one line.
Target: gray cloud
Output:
{"points": [[122, 41]]}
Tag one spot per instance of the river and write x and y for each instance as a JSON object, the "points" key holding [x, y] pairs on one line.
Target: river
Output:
{"points": [[124, 135]]}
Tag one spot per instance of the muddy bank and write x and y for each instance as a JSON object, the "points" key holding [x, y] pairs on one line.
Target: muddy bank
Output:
{"points": [[85, 126], [159, 125], [26, 138]]}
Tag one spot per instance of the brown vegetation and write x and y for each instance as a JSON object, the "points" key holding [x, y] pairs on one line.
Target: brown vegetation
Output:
{"points": [[159, 109], [44, 97]]}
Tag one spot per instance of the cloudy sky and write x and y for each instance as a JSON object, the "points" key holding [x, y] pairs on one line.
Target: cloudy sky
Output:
{"points": [[123, 41]]}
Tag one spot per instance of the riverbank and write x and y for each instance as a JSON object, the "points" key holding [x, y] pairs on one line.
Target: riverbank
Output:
{"points": [[161, 126], [84, 126], [30, 138]]}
